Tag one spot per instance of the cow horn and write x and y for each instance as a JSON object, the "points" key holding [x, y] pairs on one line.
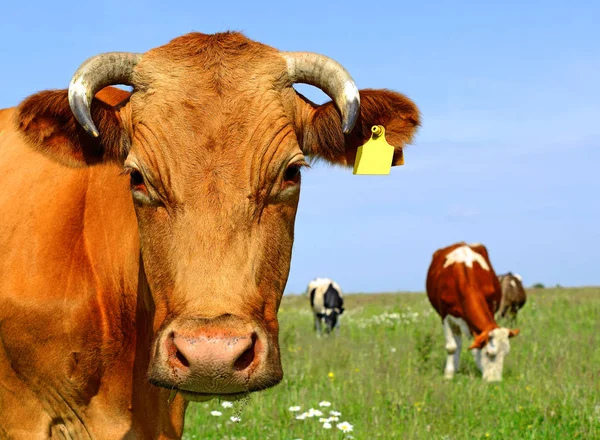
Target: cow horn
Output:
{"points": [[93, 75], [331, 77]]}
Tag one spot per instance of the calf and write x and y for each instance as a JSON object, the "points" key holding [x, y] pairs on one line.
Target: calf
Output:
{"points": [[327, 303], [464, 290], [513, 296]]}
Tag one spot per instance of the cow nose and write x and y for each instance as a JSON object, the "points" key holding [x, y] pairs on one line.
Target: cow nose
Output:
{"points": [[211, 353], [214, 356], [208, 357]]}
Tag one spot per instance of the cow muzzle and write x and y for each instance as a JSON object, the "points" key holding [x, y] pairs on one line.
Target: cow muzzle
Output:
{"points": [[204, 358]]}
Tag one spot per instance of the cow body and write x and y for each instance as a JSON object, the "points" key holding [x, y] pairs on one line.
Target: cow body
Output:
{"points": [[513, 296], [144, 248], [465, 292], [75, 312], [327, 303]]}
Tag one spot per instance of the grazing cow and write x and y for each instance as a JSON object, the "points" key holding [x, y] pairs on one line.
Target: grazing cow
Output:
{"points": [[146, 238], [327, 302], [464, 290], [513, 296]]}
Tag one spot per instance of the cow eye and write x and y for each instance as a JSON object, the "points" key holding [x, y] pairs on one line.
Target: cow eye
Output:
{"points": [[138, 185], [137, 180], [292, 173]]}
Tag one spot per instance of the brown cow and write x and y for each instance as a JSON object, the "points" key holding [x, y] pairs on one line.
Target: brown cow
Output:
{"points": [[154, 277], [464, 290], [513, 296]]}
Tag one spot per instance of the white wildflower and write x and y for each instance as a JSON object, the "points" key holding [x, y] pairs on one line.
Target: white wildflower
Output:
{"points": [[345, 427], [335, 413], [393, 350], [235, 419], [324, 403], [226, 404], [301, 416], [216, 413], [314, 413], [294, 408], [327, 425], [334, 419]]}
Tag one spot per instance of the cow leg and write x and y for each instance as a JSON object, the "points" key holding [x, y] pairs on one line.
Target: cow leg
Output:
{"points": [[453, 345], [503, 310], [318, 325], [477, 357], [513, 314]]}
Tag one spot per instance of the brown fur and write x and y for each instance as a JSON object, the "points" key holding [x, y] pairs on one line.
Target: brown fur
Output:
{"points": [[513, 296], [472, 294], [47, 122], [394, 111], [92, 281]]}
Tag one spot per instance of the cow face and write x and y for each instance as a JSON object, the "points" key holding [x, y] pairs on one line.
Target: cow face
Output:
{"points": [[490, 359], [331, 319], [213, 139]]}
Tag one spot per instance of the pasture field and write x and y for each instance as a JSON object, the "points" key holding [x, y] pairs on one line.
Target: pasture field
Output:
{"points": [[383, 373]]}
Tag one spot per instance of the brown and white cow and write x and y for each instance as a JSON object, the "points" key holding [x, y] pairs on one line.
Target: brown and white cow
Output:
{"points": [[146, 238], [464, 290], [513, 296]]}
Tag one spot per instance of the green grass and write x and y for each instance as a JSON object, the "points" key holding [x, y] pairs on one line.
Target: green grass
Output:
{"points": [[388, 383]]}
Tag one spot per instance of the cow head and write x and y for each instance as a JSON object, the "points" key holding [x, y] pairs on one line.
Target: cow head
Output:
{"points": [[213, 138], [334, 307], [331, 319], [492, 347]]}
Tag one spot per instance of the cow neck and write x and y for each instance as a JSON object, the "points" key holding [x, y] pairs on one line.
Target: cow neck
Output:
{"points": [[476, 311]]}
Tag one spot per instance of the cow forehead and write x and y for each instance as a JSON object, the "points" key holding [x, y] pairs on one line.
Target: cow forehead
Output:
{"points": [[216, 110], [467, 256], [500, 334], [219, 65], [213, 100]]}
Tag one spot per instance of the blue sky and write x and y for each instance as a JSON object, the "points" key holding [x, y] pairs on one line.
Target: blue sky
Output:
{"points": [[508, 153]]}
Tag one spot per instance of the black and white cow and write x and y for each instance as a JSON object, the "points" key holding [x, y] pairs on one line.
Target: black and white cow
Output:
{"points": [[327, 302]]}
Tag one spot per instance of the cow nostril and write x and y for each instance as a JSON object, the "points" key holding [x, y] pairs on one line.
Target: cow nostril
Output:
{"points": [[182, 359], [247, 357], [175, 354]]}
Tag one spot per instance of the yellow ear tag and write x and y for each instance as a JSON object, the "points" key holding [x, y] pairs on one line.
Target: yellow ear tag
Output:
{"points": [[376, 155]]}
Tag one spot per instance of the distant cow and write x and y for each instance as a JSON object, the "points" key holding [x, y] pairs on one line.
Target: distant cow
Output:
{"points": [[513, 295], [327, 302], [464, 290]]}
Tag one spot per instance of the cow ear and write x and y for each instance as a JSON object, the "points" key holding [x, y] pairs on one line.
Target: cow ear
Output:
{"points": [[480, 341], [48, 125], [513, 332], [323, 136]]}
